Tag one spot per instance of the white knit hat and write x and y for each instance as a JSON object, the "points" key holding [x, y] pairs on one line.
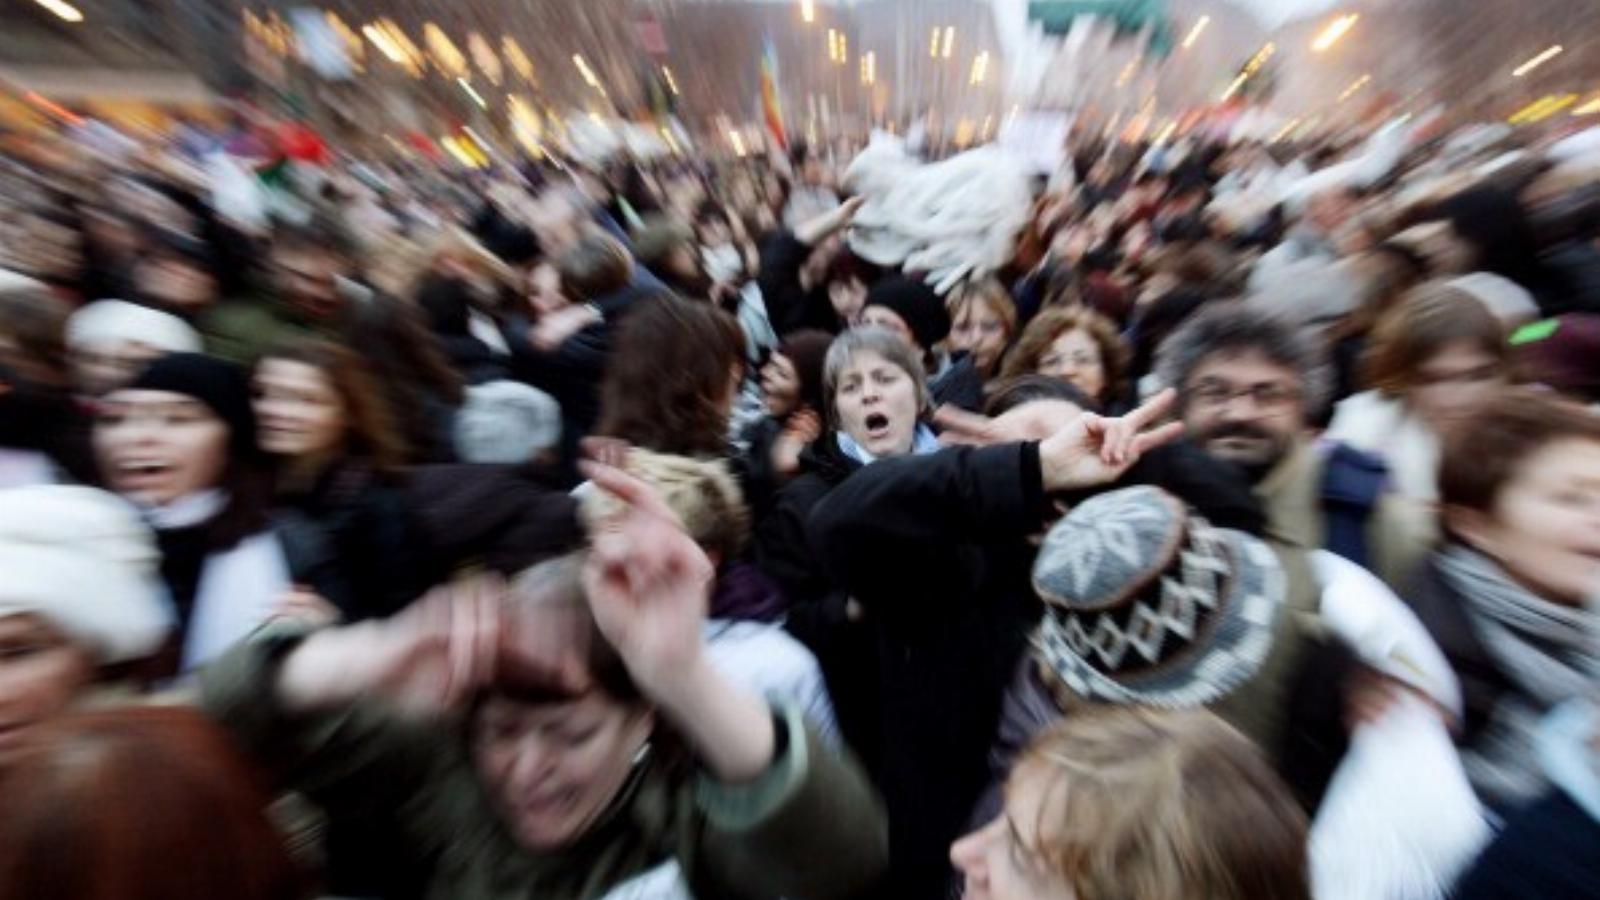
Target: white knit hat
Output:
{"points": [[1503, 298], [106, 321], [82, 559], [506, 422]]}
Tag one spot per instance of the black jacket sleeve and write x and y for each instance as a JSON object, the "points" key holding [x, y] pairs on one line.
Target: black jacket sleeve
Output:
{"points": [[908, 530], [779, 279]]}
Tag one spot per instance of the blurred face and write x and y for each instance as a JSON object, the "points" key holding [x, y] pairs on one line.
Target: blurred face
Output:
{"points": [[299, 412], [980, 331], [1453, 381], [552, 769], [176, 284], [888, 319], [999, 861], [103, 368], [1244, 408], [41, 672], [876, 404], [308, 280], [156, 446], [1075, 357], [544, 289], [848, 297], [1545, 526]]}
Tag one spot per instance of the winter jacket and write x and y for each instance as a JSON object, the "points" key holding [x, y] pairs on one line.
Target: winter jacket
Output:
{"points": [[504, 518], [934, 550], [356, 531], [809, 827], [1547, 850], [1374, 423], [959, 384], [790, 307], [1295, 494], [817, 606]]}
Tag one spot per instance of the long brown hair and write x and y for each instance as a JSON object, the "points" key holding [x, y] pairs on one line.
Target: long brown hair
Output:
{"points": [[669, 377], [370, 432], [145, 803]]}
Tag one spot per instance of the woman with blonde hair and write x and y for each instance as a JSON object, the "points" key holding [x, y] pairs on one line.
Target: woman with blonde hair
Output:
{"points": [[1138, 804]]}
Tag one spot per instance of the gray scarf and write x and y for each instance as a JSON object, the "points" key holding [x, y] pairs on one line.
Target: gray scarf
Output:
{"points": [[1545, 649]]}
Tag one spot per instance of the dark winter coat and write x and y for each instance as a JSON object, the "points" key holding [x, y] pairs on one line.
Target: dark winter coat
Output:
{"points": [[791, 307], [934, 550]]}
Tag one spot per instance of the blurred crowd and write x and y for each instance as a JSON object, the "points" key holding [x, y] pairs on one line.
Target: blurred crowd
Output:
{"points": [[1215, 519]]}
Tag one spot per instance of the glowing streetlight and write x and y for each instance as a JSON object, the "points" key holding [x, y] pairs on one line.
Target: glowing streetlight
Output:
{"points": [[1195, 32], [980, 68], [1355, 86], [933, 46], [62, 10], [588, 73], [1588, 109], [476, 97], [1537, 61], [808, 11], [869, 68], [1336, 29], [949, 41]]}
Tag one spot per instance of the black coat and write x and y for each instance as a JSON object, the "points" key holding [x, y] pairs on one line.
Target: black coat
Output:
{"points": [[934, 548], [352, 538], [846, 651], [505, 518], [1546, 852], [790, 306]]}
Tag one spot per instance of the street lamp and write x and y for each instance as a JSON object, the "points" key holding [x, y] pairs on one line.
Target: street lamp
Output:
{"points": [[1195, 32], [1336, 29], [949, 40], [1537, 61], [808, 11], [62, 10], [980, 68]]}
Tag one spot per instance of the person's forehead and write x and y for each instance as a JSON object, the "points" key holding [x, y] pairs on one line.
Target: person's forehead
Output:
{"points": [[1243, 364], [143, 399]]}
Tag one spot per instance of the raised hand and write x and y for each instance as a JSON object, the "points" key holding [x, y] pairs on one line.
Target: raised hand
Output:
{"points": [[802, 428], [1094, 450], [648, 583]]}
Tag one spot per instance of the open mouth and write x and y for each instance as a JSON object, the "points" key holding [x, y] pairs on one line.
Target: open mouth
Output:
{"points": [[143, 469], [876, 423]]}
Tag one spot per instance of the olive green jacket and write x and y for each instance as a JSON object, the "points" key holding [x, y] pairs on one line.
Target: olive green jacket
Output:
{"points": [[810, 828]]}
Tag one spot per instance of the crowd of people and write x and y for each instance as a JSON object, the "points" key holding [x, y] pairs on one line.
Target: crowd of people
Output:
{"points": [[635, 528]]}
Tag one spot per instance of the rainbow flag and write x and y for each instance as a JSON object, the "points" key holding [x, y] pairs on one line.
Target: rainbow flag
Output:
{"points": [[771, 108]]}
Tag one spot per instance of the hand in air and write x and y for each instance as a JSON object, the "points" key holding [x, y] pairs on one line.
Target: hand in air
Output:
{"points": [[1093, 450], [647, 581]]}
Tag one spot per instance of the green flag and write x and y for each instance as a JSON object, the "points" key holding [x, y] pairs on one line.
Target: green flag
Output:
{"points": [[1129, 17]]}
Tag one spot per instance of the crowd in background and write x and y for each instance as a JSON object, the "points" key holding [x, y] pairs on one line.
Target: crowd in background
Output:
{"points": [[646, 529]]}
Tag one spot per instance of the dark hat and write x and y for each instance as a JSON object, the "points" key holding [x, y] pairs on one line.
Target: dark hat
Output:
{"points": [[1148, 604], [221, 386], [915, 302], [1563, 353]]}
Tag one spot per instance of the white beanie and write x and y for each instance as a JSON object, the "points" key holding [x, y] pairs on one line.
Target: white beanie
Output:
{"points": [[1503, 298], [506, 422], [82, 559], [107, 321]]}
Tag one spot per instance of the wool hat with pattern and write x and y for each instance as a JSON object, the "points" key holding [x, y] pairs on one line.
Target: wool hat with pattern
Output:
{"points": [[1147, 603]]}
